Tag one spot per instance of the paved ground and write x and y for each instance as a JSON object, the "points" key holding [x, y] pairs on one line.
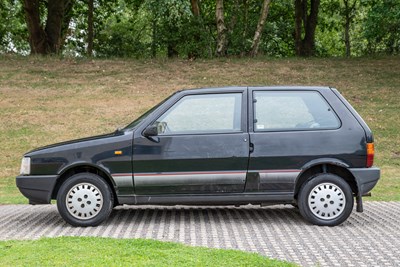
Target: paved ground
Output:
{"points": [[371, 238]]}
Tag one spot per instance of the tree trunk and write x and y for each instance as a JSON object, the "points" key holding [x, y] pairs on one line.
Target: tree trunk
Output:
{"points": [[298, 13], [221, 29], [90, 29], [197, 27], [171, 50], [37, 36], [195, 7], [47, 40], [246, 16], [55, 17], [349, 14], [67, 19], [305, 22], [260, 27], [311, 25], [232, 23], [245, 26], [234, 18]]}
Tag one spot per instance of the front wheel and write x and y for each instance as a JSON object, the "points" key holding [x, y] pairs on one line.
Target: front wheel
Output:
{"points": [[325, 199], [85, 199]]}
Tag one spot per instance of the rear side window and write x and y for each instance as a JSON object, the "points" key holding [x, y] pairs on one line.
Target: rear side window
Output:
{"points": [[292, 110]]}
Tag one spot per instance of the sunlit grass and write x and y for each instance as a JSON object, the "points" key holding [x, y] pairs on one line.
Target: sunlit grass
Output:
{"points": [[93, 251]]}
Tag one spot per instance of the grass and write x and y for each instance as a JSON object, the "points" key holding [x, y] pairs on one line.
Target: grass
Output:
{"points": [[94, 251], [46, 100]]}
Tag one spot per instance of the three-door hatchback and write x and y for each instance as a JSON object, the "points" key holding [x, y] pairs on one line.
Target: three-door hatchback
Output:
{"points": [[304, 146]]}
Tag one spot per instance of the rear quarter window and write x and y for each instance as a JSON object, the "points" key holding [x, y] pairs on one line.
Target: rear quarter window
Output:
{"points": [[292, 110]]}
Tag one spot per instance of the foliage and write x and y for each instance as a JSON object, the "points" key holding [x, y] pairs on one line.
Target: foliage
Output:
{"points": [[278, 40], [151, 28], [13, 32], [125, 32], [170, 19], [382, 27], [94, 251]]}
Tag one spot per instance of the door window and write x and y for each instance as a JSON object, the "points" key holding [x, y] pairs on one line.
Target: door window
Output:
{"points": [[209, 113], [300, 110]]}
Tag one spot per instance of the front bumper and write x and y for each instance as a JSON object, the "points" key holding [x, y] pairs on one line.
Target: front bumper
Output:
{"points": [[366, 178], [37, 188]]}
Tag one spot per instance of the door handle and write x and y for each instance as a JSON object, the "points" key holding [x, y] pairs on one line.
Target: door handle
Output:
{"points": [[251, 147]]}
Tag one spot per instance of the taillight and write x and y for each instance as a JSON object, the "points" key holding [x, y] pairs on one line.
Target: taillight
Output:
{"points": [[370, 154]]}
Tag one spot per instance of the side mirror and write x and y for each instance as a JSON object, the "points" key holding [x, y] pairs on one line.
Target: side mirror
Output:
{"points": [[151, 130], [155, 129]]}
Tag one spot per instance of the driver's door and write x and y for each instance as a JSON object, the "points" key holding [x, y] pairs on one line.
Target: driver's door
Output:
{"points": [[202, 147]]}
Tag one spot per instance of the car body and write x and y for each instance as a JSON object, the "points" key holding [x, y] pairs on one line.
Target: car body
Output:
{"points": [[215, 146]]}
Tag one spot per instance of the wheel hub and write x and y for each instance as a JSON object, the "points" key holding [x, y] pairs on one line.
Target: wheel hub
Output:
{"points": [[84, 201], [326, 201]]}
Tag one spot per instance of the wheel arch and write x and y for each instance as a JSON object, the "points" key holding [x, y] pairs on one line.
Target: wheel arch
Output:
{"points": [[80, 168], [332, 166]]}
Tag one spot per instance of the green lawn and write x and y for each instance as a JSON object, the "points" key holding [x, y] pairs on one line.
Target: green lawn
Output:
{"points": [[94, 251], [47, 100]]}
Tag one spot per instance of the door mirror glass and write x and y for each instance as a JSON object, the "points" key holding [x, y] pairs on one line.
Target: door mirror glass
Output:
{"points": [[155, 129], [151, 130]]}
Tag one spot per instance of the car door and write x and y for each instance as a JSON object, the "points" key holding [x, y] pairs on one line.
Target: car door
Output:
{"points": [[290, 129], [201, 148]]}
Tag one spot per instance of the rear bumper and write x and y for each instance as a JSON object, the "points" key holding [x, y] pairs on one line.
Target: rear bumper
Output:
{"points": [[37, 188], [366, 178]]}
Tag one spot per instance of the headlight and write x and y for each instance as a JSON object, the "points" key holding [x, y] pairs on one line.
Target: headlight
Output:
{"points": [[25, 166]]}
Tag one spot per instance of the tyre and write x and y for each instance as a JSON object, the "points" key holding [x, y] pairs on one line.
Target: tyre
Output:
{"points": [[326, 200], [85, 199]]}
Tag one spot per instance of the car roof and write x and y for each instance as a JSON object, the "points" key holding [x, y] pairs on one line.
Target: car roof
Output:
{"points": [[234, 88]]}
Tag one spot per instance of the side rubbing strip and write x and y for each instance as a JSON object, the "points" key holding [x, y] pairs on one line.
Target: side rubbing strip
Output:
{"points": [[123, 180], [278, 176], [189, 178], [271, 180]]}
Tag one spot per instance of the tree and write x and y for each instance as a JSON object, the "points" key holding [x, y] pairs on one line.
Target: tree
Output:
{"points": [[349, 12], [260, 27], [90, 28], [195, 8], [13, 31], [199, 28], [47, 40], [305, 25], [221, 29], [336, 20], [381, 27]]}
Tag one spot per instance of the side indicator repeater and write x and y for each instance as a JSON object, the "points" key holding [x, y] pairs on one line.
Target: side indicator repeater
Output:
{"points": [[118, 152]]}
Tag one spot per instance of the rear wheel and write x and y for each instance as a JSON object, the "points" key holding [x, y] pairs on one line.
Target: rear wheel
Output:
{"points": [[85, 199], [325, 199]]}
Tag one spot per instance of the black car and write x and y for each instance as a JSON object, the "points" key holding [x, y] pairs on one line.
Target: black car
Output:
{"points": [[304, 146]]}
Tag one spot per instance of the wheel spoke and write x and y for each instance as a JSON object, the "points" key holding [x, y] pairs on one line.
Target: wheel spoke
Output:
{"points": [[84, 201], [326, 201]]}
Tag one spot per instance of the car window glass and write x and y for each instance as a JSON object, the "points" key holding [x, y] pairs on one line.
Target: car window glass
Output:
{"points": [[275, 110], [203, 114]]}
